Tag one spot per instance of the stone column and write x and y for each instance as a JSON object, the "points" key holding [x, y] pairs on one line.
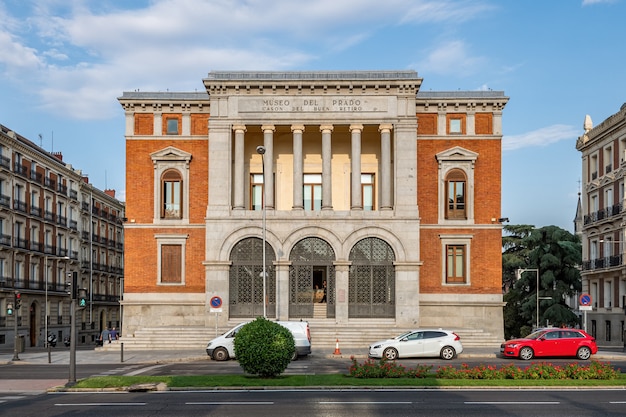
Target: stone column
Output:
{"points": [[342, 271], [130, 123], [158, 124], [268, 165], [385, 166], [357, 198], [282, 289], [298, 170], [327, 189], [186, 123], [238, 177]]}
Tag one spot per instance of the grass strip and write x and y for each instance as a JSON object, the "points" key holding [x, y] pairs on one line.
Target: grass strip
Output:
{"points": [[330, 380]]}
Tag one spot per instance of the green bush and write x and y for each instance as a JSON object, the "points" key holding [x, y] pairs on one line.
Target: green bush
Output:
{"points": [[264, 348]]}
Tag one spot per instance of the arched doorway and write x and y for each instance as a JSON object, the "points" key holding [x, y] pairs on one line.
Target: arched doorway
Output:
{"points": [[371, 282], [246, 279], [311, 264]]}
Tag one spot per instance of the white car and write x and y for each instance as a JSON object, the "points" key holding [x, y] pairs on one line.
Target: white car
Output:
{"points": [[419, 343], [222, 347]]}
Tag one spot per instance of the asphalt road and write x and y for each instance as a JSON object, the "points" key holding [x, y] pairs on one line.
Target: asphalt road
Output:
{"points": [[346, 402]]}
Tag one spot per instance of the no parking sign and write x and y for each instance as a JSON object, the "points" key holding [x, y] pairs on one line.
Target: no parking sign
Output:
{"points": [[216, 304]]}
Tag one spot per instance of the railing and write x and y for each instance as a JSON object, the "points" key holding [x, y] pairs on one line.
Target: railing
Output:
{"points": [[21, 243], [20, 169], [35, 211], [5, 200], [5, 240], [603, 263], [48, 215], [5, 162], [35, 176], [19, 205], [50, 183], [604, 213]]}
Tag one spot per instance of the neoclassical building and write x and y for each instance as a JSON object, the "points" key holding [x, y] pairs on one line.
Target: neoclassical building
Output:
{"points": [[251, 197]]}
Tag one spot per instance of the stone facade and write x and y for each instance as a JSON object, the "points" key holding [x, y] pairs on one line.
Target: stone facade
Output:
{"points": [[336, 173]]}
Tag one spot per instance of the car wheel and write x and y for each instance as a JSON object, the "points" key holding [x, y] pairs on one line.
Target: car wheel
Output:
{"points": [[294, 356], [220, 354], [526, 353], [447, 353], [390, 354], [583, 353]]}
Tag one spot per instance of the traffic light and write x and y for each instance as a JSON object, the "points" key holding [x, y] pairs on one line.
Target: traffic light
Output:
{"points": [[9, 308], [18, 300], [82, 298]]}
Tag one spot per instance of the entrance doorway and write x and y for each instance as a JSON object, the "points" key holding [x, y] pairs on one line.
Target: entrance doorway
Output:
{"points": [[34, 324]]}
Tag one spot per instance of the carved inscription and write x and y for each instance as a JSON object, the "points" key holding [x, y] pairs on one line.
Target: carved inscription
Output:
{"points": [[312, 104]]}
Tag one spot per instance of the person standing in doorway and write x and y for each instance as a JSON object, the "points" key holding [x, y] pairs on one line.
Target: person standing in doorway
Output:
{"points": [[324, 288]]}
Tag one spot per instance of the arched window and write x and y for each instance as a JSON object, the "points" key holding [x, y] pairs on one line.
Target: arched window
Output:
{"points": [[172, 194], [456, 195]]}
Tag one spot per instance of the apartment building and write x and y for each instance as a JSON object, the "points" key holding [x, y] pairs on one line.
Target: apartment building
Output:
{"points": [[603, 273], [249, 198], [54, 224]]}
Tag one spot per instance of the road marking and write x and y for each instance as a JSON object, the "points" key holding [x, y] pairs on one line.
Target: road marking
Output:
{"points": [[365, 402], [513, 402], [142, 370], [98, 404], [232, 403]]}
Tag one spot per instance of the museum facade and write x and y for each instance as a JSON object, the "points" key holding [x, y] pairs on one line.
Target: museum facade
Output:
{"points": [[334, 197]]}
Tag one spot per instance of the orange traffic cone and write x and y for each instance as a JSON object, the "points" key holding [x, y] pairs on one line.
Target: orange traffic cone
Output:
{"points": [[337, 351]]}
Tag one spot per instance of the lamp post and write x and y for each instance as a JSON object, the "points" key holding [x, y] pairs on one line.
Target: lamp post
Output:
{"points": [[46, 258], [519, 273], [261, 151]]}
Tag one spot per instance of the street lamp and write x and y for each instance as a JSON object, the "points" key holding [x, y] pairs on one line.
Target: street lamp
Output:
{"points": [[261, 151], [519, 273], [46, 258]]}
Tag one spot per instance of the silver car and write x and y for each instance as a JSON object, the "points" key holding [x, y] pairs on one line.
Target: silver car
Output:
{"points": [[419, 343]]}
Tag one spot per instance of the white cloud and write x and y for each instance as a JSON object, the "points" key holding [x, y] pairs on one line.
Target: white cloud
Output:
{"points": [[451, 58], [592, 2], [540, 137]]}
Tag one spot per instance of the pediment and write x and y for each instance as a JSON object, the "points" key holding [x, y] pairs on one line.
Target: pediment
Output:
{"points": [[457, 154], [170, 154]]}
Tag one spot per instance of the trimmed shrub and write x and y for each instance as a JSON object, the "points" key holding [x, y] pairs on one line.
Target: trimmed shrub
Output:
{"points": [[264, 348]]}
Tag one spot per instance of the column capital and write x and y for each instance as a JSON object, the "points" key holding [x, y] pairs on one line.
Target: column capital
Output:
{"points": [[239, 128], [297, 128], [326, 127], [265, 128], [385, 127], [356, 127]]}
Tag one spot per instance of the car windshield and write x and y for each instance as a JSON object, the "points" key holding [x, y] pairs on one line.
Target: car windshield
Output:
{"points": [[536, 335]]}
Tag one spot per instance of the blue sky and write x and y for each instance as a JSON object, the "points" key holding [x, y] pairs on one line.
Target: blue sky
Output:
{"points": [[63, 63]]}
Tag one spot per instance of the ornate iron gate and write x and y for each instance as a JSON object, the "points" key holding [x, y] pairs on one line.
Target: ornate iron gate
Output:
{"points": [[308, 257], [246, 279], [371, 283]]}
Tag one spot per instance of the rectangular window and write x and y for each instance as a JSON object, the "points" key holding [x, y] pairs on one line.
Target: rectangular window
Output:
{"points": [[256, 191], [367, 191], [172, 126], [607, 331], [312, 192], [455, 126], [171, 264], [455, 264]]}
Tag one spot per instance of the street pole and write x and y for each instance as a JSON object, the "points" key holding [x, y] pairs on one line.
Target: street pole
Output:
{"points": [[46, 342], [72, 377], [16, 310], [261, 151]]}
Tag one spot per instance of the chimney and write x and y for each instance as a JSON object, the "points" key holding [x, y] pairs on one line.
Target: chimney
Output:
{"points": [[58, 155], [110, 193], [86, 179]]}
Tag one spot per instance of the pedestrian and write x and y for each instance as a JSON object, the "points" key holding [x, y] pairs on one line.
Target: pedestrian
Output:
{"points": [[105, 335], [114, 334], [324, 289]]}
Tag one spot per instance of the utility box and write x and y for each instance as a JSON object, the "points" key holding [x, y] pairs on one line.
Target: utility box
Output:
{"points": [[21, 343]]}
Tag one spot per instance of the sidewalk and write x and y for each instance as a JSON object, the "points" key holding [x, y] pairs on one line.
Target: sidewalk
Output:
{"points": [[61, 355]]}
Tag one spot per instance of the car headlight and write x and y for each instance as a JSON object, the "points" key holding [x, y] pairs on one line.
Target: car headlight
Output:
{"points": [[209, 345], [512, 345], [376, 346]]}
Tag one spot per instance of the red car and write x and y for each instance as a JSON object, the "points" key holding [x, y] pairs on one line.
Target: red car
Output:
{"points": [[551, 342]]}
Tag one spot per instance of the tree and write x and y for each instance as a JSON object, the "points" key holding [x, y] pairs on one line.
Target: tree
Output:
{"points": [[264, 348], [557, 254]]}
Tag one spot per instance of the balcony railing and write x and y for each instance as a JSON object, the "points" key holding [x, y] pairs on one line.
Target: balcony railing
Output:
{"points": [[602, 214], [5, 162], [20, 169], [603, 263], [5, 200], [19, 206]]}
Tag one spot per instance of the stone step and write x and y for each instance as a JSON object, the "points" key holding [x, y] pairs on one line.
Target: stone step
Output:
{"points": [[356, 334]]}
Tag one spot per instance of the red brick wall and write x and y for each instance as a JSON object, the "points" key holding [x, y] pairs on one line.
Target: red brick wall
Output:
{"points": [[140, 244], [144, 124], [486, 244]]}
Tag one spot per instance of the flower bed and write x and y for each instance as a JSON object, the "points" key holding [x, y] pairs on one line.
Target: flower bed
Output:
{"points": [[536, 370]]}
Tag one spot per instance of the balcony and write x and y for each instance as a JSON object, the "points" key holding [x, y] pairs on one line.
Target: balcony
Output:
{"points": [[35, 211], [5, 162], [62, 220], [21, 243], [48, 215], [5, 201], [50, 183], [19, 206], [36, 246], [62, 189], [603, 214], [5, 240], [20, 169], [613, 261], [36, 176]]}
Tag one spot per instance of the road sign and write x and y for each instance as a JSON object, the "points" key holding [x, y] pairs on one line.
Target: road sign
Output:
{"points": [[216, 304], [584, 299]]}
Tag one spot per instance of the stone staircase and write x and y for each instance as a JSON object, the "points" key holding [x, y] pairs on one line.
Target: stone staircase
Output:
{"points": [[325, 334]]}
